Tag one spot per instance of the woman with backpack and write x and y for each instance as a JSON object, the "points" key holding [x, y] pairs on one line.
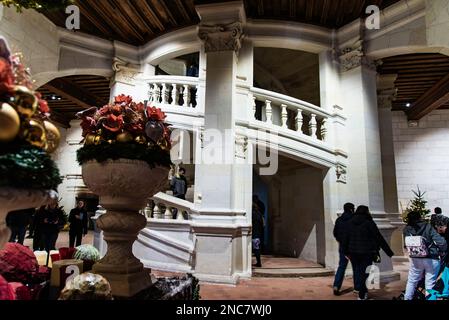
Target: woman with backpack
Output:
{"points": [[425, 246]]}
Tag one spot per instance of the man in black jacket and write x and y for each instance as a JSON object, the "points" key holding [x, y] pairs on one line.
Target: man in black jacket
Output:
{"points": [[78, 224], [18, 221], [339, 233], [361, 244]]}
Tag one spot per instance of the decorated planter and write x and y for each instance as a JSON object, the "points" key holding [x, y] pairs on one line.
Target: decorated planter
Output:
{"points": [[26, 139], [123, 186], [125, 160]]}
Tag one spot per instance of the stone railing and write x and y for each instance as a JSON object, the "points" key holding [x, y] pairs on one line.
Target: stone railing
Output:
{"points": [[165, 207], [286, 112], [173, 91]]}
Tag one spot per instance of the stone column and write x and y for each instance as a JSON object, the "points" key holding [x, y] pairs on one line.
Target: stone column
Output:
{"points": [[386, 95], [364, 175], [223, 174]]}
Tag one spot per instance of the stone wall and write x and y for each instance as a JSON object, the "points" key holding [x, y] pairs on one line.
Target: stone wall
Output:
{"points": [[35, 37], [421, 156]]}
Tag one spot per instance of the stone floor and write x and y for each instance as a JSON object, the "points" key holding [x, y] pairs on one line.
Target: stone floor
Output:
{"points": [[279, 288]]}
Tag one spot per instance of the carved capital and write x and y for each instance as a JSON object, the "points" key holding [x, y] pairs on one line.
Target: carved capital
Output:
{"points": [[241, 146], [353, 56], [386, 97], [222, 37], [341, 174], [125, 72]]}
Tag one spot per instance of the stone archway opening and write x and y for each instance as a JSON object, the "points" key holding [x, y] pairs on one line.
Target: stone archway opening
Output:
{"points": [[294, 237]]}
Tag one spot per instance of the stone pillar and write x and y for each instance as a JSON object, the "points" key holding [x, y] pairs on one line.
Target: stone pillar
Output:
{"points": [[223, 173], [335, 178], [364, 175], [386, 95]]}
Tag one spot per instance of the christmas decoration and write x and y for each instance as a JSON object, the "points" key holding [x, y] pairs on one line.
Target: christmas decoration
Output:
{"points": [[87, 286], [141, 132], [26, 135], [418, 204], [9, 122]]}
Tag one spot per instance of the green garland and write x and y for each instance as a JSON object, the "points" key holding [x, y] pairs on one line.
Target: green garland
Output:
{"points": [[37, 4], [134, 151], [28, 167]]}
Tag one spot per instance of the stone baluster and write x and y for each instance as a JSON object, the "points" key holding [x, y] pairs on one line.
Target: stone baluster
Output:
{"points": [[299, 121], [180, 215], [269, 112], [186, 95], [157, 214], [284, 116], [323, 129], [168, 213], [174, 95], [197, 95], [150, 92], [164, 94], [148, 211], [254, 107], [313, 125], [156, 93]]}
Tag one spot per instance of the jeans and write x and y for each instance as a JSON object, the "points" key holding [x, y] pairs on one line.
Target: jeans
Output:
{"points": [[418, 268], [340, 274], [18, 232], [50, 241], [360, 264]]}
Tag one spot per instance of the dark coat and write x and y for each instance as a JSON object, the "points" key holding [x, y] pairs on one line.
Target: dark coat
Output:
{"points": [[435, 242], [258, 227], [363, 237], [179, 186], [341, 225], [78, 225], [51, 220], [20, 218]]}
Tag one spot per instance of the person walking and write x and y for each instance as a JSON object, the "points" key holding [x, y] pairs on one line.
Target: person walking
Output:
{"points": [[361, 244], [257, 233], [425, 246], [340, 231], [18, 222], [78, 224]]}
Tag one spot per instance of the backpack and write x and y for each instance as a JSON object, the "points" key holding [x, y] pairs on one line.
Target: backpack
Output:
{"points": [[416, 246]]}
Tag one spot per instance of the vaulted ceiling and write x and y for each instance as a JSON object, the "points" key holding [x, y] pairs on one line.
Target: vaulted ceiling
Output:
{"points": [[138, 21]]}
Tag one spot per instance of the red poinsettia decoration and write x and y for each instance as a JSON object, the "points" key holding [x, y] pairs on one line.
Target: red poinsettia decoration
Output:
{"points": [[155, 114], [125, 121], [6, 77], [123, 100], [113, 123]]}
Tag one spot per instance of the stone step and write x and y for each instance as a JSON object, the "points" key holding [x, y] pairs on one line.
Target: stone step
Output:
{"points": [[292, 272]]}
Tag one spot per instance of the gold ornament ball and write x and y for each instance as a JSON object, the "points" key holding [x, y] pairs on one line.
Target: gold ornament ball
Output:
{"points": [[24, 101], [141, 140], [9, 123], [98, 139], [89, 140], [124, 137], [35, 134], [53, 136]]}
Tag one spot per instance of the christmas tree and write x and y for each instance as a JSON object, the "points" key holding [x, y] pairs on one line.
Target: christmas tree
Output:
{"points": [[418, 204]]}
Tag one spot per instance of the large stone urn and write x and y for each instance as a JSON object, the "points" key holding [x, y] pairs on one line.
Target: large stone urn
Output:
{"points": [[123, 187], [12, 199]]}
